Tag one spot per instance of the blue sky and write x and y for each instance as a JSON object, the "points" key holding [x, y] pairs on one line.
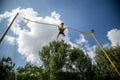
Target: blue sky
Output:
{"points": [[84, 14], [100, 15]]}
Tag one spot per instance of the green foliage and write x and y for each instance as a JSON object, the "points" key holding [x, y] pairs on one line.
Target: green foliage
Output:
{"points": [[29, 72], [62, 62], [6, 68], [104, 68]]}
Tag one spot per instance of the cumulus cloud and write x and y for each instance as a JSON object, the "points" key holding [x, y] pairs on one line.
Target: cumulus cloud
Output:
{"points": [[81, 40], [3, 16], [114, 36], [10, 39], [85, 46], [32, 37]]}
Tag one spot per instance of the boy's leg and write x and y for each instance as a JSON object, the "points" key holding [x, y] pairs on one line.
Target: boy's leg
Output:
{"points": [[63, 34], [58, 35]]}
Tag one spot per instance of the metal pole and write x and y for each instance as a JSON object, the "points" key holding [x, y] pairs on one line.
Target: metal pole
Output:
{"points": [[8, 28], [99, 44]]}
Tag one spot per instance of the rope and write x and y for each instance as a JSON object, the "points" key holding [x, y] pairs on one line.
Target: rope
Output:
{"points": [[39, 22], [86, 33]]}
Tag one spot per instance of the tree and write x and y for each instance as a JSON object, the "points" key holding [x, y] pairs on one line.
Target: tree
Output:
{"points": [[29, 72], [6, 68], [63, 62], [104, 68]]}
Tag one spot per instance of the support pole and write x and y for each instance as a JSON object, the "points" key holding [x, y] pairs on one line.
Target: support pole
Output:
{"points": [[99, 44], [8, 28]]}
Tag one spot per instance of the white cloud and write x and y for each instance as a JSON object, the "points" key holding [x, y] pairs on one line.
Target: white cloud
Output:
{"points": [[114, 36], [31, 39], [81, 40], [11, 40], [84, 44], [3, 16], [90, 50], [55, 15]]}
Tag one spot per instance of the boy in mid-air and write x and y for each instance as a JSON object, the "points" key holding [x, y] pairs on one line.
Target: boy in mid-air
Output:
{"points": [[61, 30]]}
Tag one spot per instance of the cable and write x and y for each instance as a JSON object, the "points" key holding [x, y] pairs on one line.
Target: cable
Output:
{"points": [[40, 22], [86, 33]]}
